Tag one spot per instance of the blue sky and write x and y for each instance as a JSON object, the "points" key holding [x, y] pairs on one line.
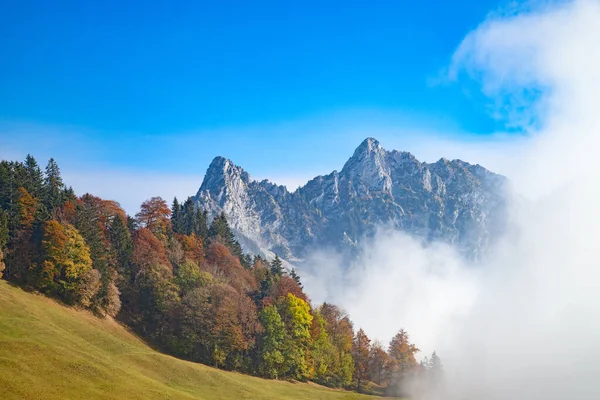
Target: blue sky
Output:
{"points": [[285, 89]]}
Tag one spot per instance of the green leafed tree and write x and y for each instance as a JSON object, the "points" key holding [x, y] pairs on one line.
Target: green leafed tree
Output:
{"points": [[272, 343]]}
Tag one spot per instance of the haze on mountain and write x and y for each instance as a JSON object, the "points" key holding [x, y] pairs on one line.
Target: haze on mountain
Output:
{"points": [[449, 201]]}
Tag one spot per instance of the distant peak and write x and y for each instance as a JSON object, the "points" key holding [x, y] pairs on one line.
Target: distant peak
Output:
{"points": [[368, 146], [223, 170], [218, 161]]}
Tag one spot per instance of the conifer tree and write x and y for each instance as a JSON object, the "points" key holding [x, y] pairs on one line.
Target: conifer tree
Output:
{"points": [[53, 187], [200, 224], [35, 179], [219, 230], [277, 266], [294, 275], [176, 216]]}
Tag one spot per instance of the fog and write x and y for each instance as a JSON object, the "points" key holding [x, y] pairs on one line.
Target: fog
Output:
{"points": [[524, 323]]}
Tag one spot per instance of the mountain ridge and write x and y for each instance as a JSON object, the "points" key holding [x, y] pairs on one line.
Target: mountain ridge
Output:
{"points": [[452, 201]]}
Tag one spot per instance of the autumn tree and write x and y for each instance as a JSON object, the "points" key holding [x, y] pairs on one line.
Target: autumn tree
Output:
{"points": [[286, 285], [341, 331], [66, 260], [222, 324], [222, 263], [22, 253], [94, 219], [147, 251], [297, 318], [148, 292], [361, 352], [402, 361], [378, 359], [193, 247], [189, 276], [323, 357], [154, 215]]}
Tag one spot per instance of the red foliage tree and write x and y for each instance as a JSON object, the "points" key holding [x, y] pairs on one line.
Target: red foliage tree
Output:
{"points": [[225, 264], [154, 214], [147, 252]]}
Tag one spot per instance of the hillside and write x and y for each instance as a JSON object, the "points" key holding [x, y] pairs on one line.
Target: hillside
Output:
{"points": [[48, 351]]}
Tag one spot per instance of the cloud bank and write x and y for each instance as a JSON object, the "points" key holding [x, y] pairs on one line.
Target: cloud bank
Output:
{"points": [[523, 325]]}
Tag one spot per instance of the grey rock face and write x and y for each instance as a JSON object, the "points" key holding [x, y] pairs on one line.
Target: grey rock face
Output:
{"points": [[451, 201]]}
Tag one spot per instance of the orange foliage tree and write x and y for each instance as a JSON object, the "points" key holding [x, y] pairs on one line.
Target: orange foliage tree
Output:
{"points": [[154, 214]]}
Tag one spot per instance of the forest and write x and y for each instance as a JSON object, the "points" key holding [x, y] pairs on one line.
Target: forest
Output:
{"points": [[181, 281]]}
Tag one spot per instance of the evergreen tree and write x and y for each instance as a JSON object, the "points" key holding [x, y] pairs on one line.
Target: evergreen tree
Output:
{"points": [[296, 278], [35, 178], [121, 242], [3, 238], [176, 216], [188, 214], [219, 231], [4, 231], [200, 224], [277, 266], [53, 188], [435, 368]]}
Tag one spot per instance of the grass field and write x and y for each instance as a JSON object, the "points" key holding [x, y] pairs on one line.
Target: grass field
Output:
{"points": [[48, 351]]}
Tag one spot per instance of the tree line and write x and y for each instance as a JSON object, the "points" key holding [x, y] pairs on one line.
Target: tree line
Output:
{"points": [[183, 282]]}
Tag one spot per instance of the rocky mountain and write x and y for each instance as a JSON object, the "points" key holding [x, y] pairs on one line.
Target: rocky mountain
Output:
{"points": [[452, 201]]}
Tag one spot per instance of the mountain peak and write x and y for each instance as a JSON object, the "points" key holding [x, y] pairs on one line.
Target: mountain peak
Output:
{"points": [[368, 152], [223, 171], [367, 146]]}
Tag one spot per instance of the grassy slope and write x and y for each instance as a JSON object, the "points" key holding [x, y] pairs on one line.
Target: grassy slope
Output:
{"points": [[48, 351]]}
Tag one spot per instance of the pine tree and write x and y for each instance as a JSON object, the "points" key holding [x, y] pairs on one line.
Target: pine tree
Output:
{"points": [[121, 242], [4, 232], [219, 231], [200, 224], [35, 178], [435, 368], [294, 275], [53, 188], [176, 216], [277, 266], [188, 215]]}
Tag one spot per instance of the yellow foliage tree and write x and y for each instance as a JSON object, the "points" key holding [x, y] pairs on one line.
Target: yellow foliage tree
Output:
{"points": [[66, 260]]}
